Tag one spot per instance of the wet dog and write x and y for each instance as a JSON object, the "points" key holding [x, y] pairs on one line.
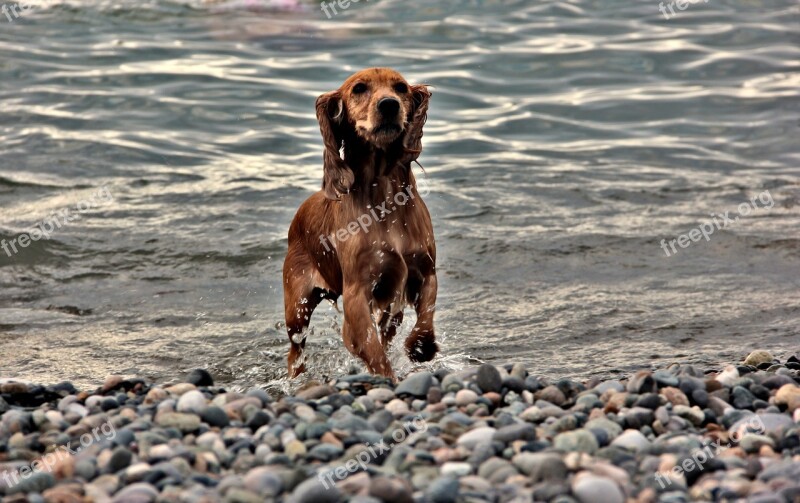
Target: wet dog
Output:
{"points": [[372, 129]]}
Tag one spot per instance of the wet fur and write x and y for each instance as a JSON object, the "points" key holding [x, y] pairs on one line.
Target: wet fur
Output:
{"points": [[393, 264]]}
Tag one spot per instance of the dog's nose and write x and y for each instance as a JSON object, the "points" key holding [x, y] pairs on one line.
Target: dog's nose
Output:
{"points": [[388, 107]]}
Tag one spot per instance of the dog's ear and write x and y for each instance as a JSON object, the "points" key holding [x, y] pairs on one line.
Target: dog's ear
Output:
{"points": [[412, 143], [337, 177]]}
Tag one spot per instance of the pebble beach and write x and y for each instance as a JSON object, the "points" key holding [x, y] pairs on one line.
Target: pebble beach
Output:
{"points": [[482, 434]]}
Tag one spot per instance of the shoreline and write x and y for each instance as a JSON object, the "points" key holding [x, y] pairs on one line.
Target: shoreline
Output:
{"points": [[486, 433]]}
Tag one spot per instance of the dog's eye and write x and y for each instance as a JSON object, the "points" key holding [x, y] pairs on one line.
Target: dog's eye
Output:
{"points": [[401, 88], [359, 88]]}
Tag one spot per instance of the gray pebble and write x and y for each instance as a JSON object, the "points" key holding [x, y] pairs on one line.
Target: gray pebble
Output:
{"points": [[416, 384], [443, 490], [489, 378]]}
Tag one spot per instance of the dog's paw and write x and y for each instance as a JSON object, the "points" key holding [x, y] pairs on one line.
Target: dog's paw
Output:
{"points": [[295, 371], [422, 349]]}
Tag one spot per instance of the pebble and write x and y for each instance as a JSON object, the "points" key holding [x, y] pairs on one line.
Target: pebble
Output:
{"points": [[576, 441], [474, 437], [215, 416], [540, 465], [609, 386], [295, 449], [139, 492], [397, 407], [789, 396], [608, 426], [642, 382], [728, 376], [552, 394], [666, 378], [443, 490], [466, 397], [589, 488], [36, 482], [752, 444], [632, 440], [391, 490], [489, 379], [187, 423], [200, 377], [264, 481], [452, 383], [305, 413], [381, 394], [180, 388], [487, 433], [416, 385], [456, 469], [120, 459], [315, 392], [193, 402], [513, 432], [758, 357]]}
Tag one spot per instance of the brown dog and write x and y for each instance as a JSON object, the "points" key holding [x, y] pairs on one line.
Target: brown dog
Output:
{"points": [[366, 235]]}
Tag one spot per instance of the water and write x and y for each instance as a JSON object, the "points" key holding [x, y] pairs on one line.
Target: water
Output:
{"points": [[564, 142]]}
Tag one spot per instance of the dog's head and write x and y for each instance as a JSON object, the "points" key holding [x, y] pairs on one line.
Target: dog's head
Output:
{"points": [[378, 107]]}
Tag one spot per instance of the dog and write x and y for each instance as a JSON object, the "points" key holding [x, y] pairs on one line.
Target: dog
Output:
{"points": [[372, 130]]}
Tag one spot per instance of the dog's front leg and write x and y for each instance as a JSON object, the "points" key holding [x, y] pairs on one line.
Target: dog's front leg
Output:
{"points": [[359, 331], [421, 343]]}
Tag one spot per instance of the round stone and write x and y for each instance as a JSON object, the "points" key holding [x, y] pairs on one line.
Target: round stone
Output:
{"points": [[443, 490], [590, 488], [193, 402], [758, 357], [576, 441], [416, 384], [489, 378], [541, 466], [474, 437], [200, 377], [466, 397], [216, 417], [381, 394], [120, 459], [513, 432], [456, 469], [264, 481], [632, 440]]}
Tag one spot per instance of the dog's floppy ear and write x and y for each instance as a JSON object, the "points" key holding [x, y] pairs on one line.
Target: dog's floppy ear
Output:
{"points": [[412, 143], [337, 177]]}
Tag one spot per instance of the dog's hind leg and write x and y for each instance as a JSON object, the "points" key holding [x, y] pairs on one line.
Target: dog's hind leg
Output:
{"points": [[389, 326], [388, 278], [301, 295]]}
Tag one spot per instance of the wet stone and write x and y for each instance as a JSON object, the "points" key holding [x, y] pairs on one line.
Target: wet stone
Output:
{"points": [[416, 385], [443, 490], [519, 431], [568, 441], [120, 459], [489, 378], [216, 417], [200, 377]]}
